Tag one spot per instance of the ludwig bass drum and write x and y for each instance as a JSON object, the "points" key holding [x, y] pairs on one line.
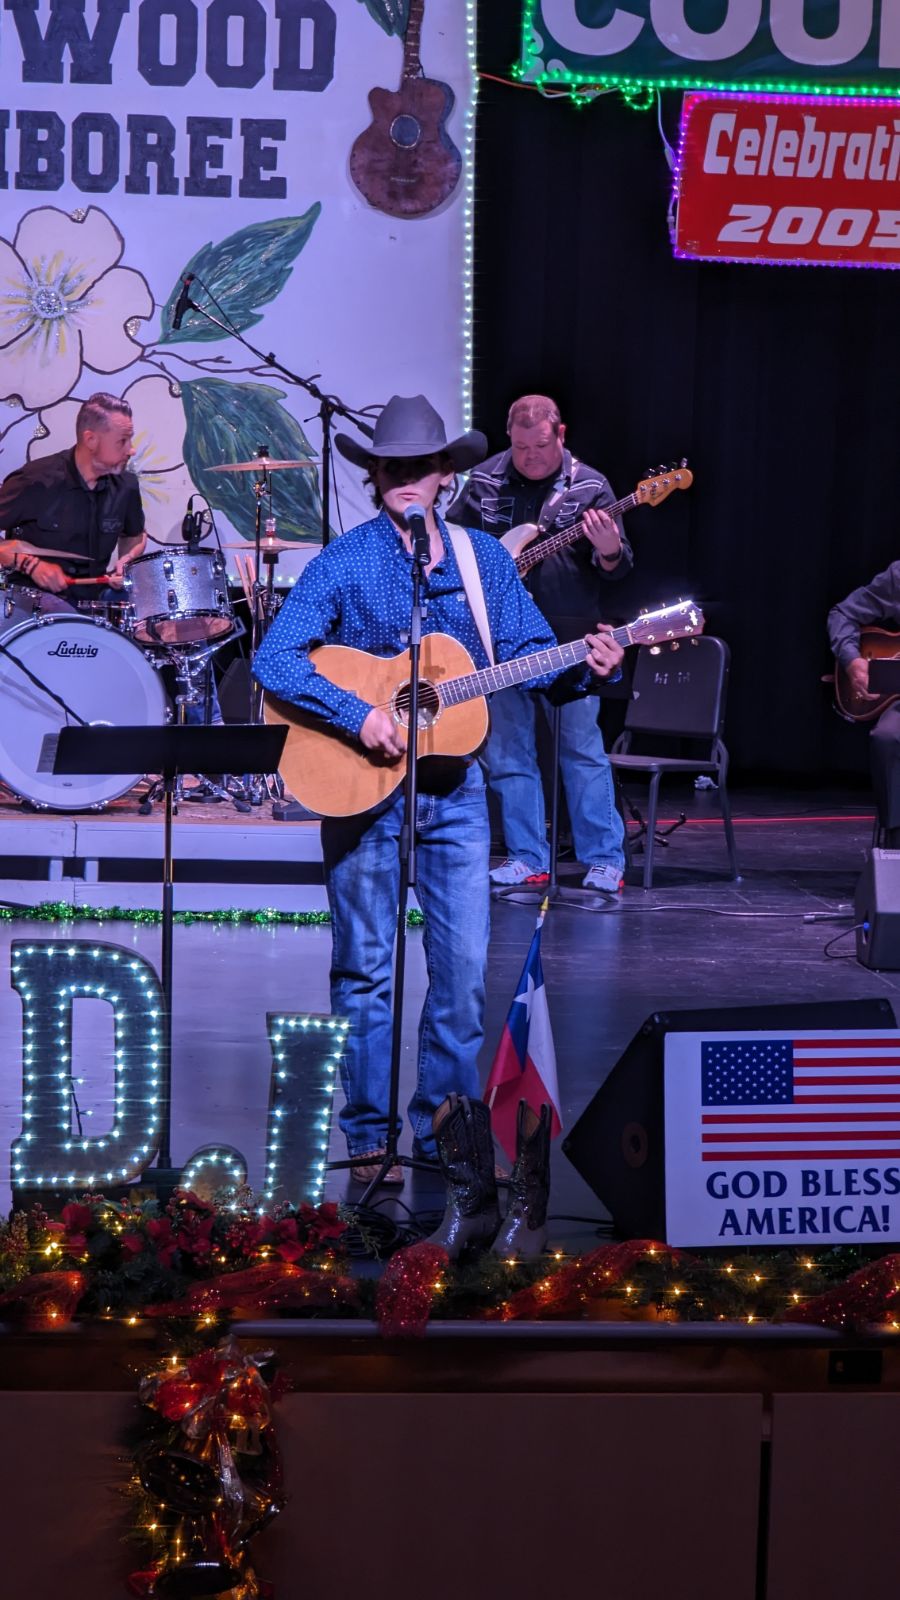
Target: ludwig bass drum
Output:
{"points": [[100, 675]]}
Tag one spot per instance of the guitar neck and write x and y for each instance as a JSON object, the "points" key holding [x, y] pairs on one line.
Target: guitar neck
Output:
{"points": [[536, 552], [412, 40], [506, 674]]}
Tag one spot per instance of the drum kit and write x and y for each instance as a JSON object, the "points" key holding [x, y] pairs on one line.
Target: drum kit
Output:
{"points": [[99, 661]]}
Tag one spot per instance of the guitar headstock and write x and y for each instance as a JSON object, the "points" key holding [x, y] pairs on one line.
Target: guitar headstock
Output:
{"points": [[677, 621], [660, 482]]}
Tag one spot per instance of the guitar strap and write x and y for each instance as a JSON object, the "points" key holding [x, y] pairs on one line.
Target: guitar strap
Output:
{"points": [[551, 504], [471, 577]]}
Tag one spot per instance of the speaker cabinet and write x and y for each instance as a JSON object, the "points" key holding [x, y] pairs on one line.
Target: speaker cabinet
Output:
{"points": [[618, 1143], [877, 912]]}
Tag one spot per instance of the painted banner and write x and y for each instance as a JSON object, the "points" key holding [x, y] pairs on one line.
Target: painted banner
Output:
{"points": [[780, 1138], [303, 166], [808, 182], [762, 44]]}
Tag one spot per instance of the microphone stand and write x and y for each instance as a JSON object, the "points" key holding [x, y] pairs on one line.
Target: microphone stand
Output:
{"points": [[330, 405], [407, 850]]}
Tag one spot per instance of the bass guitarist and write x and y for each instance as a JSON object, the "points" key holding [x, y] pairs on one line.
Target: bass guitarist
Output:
{"points": [[535, 485], [358, 592], [876, 603]]}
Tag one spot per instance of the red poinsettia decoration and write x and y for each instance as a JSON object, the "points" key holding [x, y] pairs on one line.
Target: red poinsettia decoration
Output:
{"points": [[162, 1236]]}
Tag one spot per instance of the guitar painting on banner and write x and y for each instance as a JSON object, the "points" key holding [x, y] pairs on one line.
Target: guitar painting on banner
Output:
{"points": [[336, 776], [405, 163]]}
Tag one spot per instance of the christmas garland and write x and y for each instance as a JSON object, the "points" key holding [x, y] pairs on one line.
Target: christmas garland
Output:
{"points": [[266, 917], [191, 1258], [223, 1259]]}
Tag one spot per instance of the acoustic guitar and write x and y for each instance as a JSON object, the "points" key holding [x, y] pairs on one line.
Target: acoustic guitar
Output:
{"points": [[651, 491], [336, 776], [875, 644], [405, 163]]}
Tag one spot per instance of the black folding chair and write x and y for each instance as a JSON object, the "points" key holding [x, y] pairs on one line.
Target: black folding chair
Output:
{"points": [[678, 694]]}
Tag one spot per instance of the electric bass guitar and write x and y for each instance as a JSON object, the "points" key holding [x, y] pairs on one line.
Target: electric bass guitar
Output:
{"points": [[405, 163], [651, 491], [336, 776], [875, 644]]}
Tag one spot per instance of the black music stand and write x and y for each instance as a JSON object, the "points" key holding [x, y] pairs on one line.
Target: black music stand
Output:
{"points": [[170, 751]]}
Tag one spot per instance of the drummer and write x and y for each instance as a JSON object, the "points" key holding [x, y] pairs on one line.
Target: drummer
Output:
{"points": [[80, 500]]}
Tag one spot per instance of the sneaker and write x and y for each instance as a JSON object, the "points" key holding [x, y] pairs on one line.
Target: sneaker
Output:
{"points": [[517, 872], [604, 877], [367, 1166]]}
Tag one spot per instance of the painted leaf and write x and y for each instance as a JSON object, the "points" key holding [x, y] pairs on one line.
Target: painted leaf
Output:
{"points": [[229, 422], [391, 15], [244, 271]]}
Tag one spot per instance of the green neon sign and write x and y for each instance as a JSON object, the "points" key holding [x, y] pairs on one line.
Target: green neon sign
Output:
{"points": [[824, 47]]}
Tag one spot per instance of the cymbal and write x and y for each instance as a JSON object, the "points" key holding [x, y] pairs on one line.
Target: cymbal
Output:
{"points": [[48, 555], [249, 545], [259, 464]]}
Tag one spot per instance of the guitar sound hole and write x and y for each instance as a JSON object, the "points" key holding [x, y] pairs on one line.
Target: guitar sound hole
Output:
{"points": [[406, 131], [429, 705]]}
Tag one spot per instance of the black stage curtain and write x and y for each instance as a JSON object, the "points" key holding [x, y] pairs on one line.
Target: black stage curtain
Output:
{"points": [[779, 384]]}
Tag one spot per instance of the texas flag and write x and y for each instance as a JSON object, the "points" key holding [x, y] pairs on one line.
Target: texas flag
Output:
{"points": [[524, 1067]]}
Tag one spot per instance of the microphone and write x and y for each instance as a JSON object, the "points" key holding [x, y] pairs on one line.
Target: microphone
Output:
{"points": [[192, 529], [183, 301], [415, 521]]}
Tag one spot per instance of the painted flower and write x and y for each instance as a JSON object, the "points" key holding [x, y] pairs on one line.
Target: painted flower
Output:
{"points": [[65, 303], [158, 456]]}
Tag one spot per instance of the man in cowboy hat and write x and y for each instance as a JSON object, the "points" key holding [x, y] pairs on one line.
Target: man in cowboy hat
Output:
{"points": [[358, 592]]}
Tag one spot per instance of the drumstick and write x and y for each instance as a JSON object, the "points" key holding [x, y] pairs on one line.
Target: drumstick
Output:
{"points": [[243, 566], [71, 581]]}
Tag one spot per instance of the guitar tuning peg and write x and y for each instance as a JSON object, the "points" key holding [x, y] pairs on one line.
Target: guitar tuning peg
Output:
{"points": [[683, 462], [651, 472]]}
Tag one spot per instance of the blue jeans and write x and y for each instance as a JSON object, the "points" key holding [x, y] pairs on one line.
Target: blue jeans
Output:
{"points": [[510, 759], [362, 877]]}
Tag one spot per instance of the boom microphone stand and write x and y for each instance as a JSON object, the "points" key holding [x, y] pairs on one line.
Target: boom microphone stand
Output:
{"points": [[330, 405]]}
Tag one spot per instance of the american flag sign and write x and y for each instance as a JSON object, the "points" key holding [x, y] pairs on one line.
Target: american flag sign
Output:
{"points": [[776, 1099]]}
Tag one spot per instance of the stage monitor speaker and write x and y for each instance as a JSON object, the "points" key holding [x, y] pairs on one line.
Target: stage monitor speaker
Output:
{"points": [[877, 911], [618, 1143]]}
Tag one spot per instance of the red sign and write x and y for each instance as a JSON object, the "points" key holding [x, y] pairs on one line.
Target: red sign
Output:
{"points": [[795, 180]]}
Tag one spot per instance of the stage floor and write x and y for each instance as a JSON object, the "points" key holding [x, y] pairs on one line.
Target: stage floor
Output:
{"points": [[696, 939]]}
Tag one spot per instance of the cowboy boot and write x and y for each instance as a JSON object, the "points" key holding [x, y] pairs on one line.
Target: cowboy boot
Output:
{"points": [[462, 1131], [524, 1230]]}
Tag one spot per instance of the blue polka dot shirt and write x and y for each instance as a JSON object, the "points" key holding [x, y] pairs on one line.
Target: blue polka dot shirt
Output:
{"points": [[358, 591]]}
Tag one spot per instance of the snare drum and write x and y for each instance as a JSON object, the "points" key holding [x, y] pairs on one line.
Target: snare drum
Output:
{"points": [[100, 675], [180, 597], [118, 613]]}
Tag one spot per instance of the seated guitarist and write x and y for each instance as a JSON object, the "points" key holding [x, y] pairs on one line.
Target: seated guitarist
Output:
{"points": [[874, 604], [535, 485], [358, 592]]}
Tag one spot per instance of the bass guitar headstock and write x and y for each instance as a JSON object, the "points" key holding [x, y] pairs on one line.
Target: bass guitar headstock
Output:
{"points": [[660, 482]]}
